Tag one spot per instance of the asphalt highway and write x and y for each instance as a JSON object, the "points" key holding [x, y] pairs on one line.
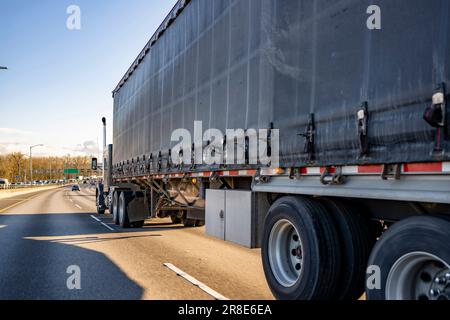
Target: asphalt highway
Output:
{"points": [[54, 246]]}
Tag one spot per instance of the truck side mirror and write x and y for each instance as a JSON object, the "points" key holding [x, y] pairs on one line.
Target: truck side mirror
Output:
{"points": [[94, 164]]}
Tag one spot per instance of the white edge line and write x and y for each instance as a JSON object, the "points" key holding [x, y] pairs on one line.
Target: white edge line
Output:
{"points": [[103, 224], [95, 218], [195, 282], [78, 207]]}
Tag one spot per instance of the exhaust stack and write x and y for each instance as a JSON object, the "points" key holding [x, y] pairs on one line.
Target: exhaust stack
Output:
{"points": [[104, 148], [104, 133]]}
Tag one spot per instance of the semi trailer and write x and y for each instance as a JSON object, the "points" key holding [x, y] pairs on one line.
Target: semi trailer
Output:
{"points": [[314, 130]]}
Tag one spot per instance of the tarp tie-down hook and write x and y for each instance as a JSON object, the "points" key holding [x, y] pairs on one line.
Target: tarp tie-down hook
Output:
{"points": [[169, 160], [159, 161], [192, 157], [150, 164], [309, 136], [435, 115]]}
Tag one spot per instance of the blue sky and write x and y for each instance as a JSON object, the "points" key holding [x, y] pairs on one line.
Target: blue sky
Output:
{"points": [[59, 81]]}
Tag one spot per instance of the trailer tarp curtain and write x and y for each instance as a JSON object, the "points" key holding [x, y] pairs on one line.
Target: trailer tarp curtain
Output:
{"points": [[249, 63]]}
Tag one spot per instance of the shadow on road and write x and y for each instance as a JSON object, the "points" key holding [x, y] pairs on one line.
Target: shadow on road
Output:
{"points": [[149, 226], [154, 227], [81, 195], [87, 240], [37, 269]]}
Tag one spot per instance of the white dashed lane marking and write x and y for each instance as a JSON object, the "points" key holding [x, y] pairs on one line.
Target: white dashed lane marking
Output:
{"points": [[103, 224], [195, 282]]}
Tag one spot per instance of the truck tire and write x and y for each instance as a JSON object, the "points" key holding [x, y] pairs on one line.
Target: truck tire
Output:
{"points": [[100, 200], [356, 242], [413, 260], [115, 207], [100, 210], [124, 199], [300, 250]]}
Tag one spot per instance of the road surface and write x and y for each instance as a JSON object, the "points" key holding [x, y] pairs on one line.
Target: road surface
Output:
{"points": [[44, 235]]}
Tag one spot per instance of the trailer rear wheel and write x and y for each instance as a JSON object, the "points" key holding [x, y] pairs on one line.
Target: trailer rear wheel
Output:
{"points": [[300, 250], [356, 242], [124, 199], [115, 207], [413, 259]]}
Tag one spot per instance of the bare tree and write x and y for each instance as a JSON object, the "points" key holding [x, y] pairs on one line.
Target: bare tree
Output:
{"points": [[17, 160], [44, 168]]}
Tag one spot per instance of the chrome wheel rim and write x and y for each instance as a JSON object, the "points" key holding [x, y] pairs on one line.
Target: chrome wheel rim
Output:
{"points": [[285, 253], [418, 276]]}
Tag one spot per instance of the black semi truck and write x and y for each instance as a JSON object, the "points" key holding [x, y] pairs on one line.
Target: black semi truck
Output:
{"points": [[315, 130]]}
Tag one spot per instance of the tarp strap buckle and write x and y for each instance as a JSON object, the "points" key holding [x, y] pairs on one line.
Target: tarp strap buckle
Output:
{"points": [[363, 123]]}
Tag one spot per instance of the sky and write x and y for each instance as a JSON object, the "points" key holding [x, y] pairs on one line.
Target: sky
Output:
{"points": [[59, 81]]}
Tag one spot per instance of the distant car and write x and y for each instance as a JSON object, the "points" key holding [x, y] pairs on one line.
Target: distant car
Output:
{"points": [[4, 184], [75, 188]]}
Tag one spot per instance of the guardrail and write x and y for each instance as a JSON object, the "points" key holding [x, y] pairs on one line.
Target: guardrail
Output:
{"points": [[20, 187]]}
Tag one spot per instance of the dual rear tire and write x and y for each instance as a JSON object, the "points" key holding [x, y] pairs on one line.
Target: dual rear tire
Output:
{"points": [[323, 250], [315, 250], [411, 261]]}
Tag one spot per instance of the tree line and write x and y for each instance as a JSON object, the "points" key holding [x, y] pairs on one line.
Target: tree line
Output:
{"points": [[16, 167]]}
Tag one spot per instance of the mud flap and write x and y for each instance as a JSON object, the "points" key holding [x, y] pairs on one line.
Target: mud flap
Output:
{"points": [[138, 208]]}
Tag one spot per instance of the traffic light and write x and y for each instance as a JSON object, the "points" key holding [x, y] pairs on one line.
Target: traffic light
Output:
{"points": [[94, 165]]}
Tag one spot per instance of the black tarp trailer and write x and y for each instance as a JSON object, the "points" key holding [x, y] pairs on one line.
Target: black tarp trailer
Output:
{"points": [[357, 95]]}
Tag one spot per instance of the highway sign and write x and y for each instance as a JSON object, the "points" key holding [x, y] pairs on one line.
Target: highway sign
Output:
{"points": [[71, 171]]}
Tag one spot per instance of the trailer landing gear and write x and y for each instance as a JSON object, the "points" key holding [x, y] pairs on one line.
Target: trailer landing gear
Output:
{"points": [[190, 222], [175, 219]]}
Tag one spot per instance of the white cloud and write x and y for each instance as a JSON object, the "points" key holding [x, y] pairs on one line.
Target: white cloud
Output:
{"points": [[17, 140], [10, 131], [87, 148], [9, 147]]}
